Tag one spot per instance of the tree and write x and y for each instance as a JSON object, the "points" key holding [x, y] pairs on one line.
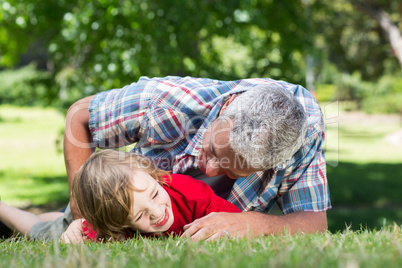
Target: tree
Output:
{"points": [[351, 40], [26, 29], [391, 29], [98, 45]]}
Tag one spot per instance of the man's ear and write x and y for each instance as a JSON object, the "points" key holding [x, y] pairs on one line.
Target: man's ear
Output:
{"points": [[225, 105]]}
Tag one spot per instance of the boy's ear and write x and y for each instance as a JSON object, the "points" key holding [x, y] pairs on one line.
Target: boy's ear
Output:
{"points": [[225, 105]]}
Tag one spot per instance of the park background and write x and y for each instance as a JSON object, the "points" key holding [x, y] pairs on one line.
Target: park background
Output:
{"points": [[348, 53]]}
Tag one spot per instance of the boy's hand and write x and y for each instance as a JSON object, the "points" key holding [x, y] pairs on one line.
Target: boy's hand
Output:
{"points": [[74, 233]]}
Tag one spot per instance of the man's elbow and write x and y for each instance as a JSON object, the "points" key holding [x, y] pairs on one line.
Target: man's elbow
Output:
{"points": [[77, 133], [78, 111], [317, 222]]}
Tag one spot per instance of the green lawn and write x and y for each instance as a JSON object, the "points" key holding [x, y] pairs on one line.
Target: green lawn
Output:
{"points": [[347, 249], [364, 171], [31, 170]]}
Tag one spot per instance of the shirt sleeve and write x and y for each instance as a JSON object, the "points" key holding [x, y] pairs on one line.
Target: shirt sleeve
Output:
{"points": [[305, 186], [116, 116], [87, 230]]}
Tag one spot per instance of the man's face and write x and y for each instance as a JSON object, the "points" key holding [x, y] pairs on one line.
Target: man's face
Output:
{"points": [[217, 157]]}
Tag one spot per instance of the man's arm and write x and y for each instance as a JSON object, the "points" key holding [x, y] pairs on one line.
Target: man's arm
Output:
{"points": [[77, 143], [254, 224]]}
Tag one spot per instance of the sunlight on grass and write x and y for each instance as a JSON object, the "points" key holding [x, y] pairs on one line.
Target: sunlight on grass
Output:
{"points": [[358, 141], [363, 169], [28, 156], [343, 249], [362, 143]]}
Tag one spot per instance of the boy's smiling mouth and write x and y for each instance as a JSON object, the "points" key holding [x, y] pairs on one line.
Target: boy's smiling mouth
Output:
{"points": [[163, 220]]}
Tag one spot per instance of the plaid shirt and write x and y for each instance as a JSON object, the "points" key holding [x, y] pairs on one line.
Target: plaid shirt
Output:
{"points": [[167, 117]]}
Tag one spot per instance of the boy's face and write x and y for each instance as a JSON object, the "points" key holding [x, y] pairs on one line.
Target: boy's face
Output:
{"points": [[151, 209]]}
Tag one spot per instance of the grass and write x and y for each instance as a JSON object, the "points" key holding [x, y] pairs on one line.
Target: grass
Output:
{"points": [[358, 140], [31, 170], [363, 174], [364, 194], [363, 170], [361, 143], [346, 249]]}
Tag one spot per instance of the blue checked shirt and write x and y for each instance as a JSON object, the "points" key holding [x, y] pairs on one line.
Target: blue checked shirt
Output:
{"points": [[167, 117]]}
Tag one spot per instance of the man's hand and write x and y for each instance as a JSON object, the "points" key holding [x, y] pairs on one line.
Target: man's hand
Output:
{"points": [[217, 225], [254, 224], [74, 233]]}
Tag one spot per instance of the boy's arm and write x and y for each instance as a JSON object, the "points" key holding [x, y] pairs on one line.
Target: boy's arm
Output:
{"points": [[78, 145], [74, 233]]}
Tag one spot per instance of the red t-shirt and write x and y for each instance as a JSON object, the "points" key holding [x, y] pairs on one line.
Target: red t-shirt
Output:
{"points": [[191, 199]]}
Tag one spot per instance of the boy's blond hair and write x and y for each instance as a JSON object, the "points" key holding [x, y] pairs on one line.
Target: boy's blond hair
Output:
{"points": [[103, 189]]}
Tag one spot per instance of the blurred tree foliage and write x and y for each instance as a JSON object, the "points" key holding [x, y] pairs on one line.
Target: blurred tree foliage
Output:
{"points": [[98, 45], [357, 57], [352, 40], [26, 86], [89, 46]]}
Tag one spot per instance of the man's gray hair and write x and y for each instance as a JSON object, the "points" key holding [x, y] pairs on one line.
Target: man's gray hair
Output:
{"points": [[268, 125]]}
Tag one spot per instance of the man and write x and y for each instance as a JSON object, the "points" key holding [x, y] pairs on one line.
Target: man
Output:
{"points": [[265, 135]]}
